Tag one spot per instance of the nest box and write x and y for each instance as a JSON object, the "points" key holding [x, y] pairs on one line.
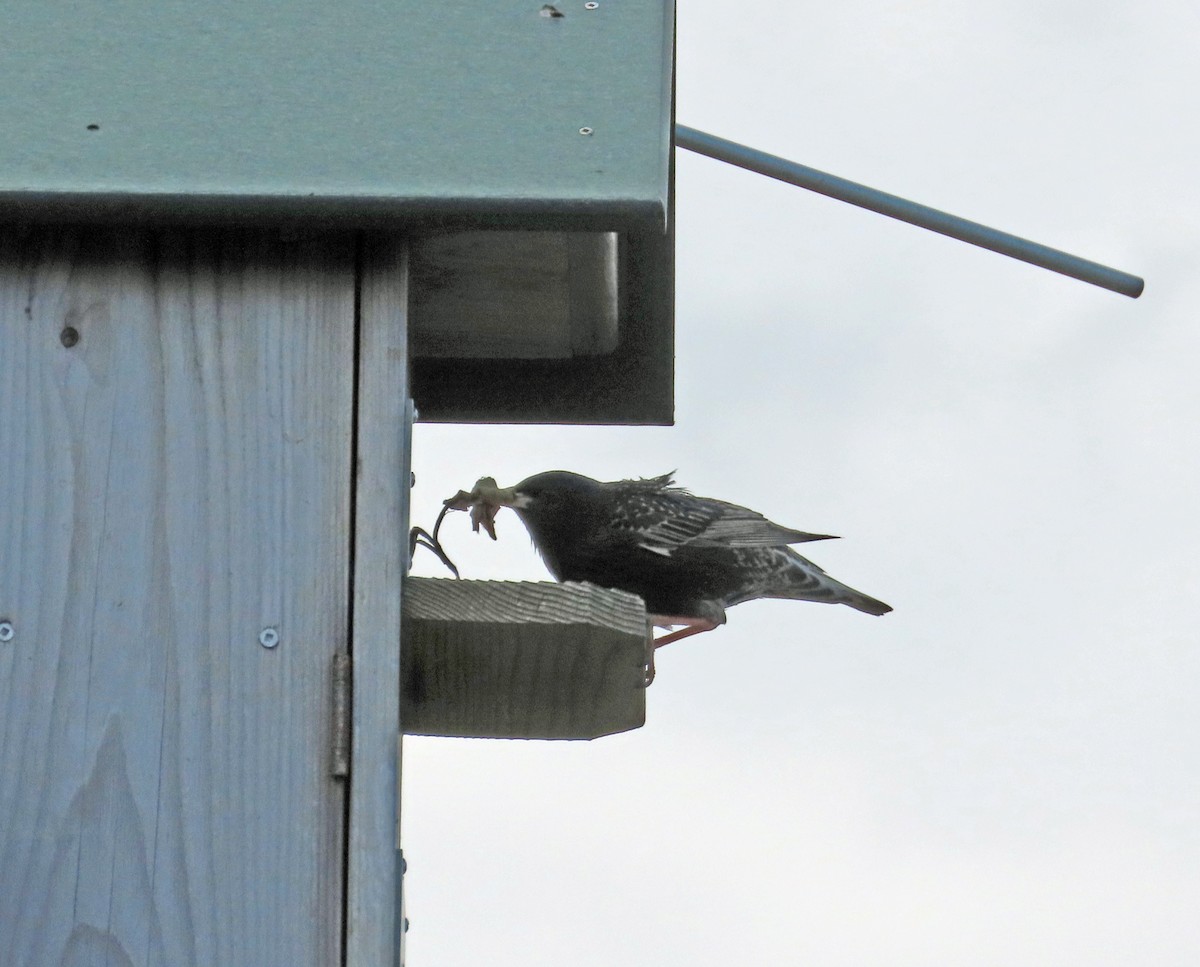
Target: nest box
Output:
{"points": [[524, 149]]}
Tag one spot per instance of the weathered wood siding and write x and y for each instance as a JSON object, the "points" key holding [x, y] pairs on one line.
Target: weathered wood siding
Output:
{"points": [[381, 557], [172, 484]]}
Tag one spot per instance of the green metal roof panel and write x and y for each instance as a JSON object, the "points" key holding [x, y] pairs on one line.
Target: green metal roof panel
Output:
{"points": [[389, 108]]}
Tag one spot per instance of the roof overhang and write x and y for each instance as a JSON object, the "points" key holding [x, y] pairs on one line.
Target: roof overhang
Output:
{"points": [[431, 119]]}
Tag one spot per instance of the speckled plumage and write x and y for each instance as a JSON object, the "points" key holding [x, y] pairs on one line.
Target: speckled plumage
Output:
{"points": [[686, 556]]}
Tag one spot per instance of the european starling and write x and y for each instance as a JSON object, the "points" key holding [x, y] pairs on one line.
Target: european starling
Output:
{"points": [[689, 558]]}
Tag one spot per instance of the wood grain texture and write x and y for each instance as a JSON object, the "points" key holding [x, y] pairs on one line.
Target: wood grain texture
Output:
{"points": [[522, 660], [172, 484], [380, 561]]}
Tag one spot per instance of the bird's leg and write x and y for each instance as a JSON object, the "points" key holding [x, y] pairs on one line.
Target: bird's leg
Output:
{"points": [[691, 626]]}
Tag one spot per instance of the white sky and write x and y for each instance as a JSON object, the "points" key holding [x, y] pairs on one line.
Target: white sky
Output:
{"points": [[1004, 771]]}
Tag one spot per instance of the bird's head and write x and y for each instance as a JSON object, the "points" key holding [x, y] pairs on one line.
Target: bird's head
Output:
{"points": [[549, 490], [535, 498]]}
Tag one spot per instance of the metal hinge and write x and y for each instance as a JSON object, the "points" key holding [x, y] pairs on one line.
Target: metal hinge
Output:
{"points": [[339, 741]]}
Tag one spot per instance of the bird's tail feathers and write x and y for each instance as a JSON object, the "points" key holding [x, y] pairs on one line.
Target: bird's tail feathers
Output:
{"points": [[809, 582], [862, 602], [844, 594]]}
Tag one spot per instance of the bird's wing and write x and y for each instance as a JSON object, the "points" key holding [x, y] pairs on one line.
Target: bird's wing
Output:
{"points": [[739, 527], [664, 519]]}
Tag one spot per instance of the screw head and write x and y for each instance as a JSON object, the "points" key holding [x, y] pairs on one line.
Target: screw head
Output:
{"points": [[268, 637], [6, 631], [69, 336], [590, 5], [586, 131]]}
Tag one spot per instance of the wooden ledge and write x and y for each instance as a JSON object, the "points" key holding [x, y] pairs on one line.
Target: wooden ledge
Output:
{"points": [[521, 660]]}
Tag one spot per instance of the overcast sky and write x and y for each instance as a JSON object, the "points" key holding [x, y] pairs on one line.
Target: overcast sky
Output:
{"points": [[1004, 771]]}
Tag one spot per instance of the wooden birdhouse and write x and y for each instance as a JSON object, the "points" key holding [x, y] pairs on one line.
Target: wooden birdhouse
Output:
{"points": [[240, 246]]}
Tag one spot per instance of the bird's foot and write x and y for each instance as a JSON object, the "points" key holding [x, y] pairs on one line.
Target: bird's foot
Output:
{"points": [[691, 626]]}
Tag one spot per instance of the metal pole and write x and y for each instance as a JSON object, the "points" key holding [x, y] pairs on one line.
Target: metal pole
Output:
{"points": [[908, 211]]}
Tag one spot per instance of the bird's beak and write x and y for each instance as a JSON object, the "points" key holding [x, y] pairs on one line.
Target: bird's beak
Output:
{"points": [[511, 497]]}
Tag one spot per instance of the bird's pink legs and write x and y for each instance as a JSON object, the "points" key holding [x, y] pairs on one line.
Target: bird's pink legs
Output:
{"points": [[691, 626]]}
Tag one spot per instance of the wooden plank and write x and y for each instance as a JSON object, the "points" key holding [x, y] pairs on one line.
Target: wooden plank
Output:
{"points": [[384, 421], [633, 384], [522, 660], [514, 295], [175, 483]]}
